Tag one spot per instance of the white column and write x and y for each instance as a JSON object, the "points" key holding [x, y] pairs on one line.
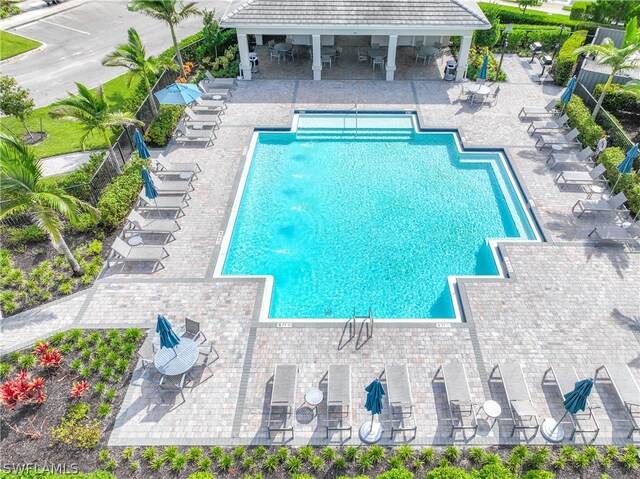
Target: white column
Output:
{"points": [[391, 57], [245, 64], [463, 56], [259, 40], [317, 57]]}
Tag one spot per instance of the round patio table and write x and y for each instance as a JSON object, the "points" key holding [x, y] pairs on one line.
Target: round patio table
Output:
{"points": [[178, 360], [328, 51], [376, 52], [283, 47], [479, 90]]}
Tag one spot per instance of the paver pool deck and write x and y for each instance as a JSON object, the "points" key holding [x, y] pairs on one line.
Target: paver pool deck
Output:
{"points": [[566, 302]]}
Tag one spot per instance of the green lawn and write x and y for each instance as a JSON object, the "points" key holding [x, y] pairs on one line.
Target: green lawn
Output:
{"points": [[12, 45], [64, 136]]}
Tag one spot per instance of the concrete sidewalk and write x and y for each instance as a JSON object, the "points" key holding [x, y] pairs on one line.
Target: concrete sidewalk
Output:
{"points": [[38, 13]]}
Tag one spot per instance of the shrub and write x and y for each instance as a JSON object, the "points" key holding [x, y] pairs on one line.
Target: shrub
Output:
{"points": [[399, 473], [578, 11], [618, 99], [76, 430], [515, 16], [200, 475], [580, 118], [22, 390], [118, 197], [81, 176], [488, 38], [447, 472], [536, 474], [164, 124], [629, 184], [476, 57], [566, 60], [25, 235], [493, 471]]}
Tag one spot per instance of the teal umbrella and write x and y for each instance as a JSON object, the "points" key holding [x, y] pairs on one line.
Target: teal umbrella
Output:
{"points": [[141, 146], [150, 189], [168, 337], [374, 398], [627, 164], [574, 401], [178, 94], [568, 92], [482, 74]]}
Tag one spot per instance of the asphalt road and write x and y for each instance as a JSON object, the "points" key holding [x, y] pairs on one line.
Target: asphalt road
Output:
{"points": [[78, 39]]}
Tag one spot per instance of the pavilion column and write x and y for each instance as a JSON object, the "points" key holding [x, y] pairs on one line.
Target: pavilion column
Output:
{"points": [[463, 57], [259, 39], [391, 56], [245, 64], [317, 57]]}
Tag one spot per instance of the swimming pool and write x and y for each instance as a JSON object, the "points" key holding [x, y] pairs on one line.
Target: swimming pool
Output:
{"points": [[349, 213]]}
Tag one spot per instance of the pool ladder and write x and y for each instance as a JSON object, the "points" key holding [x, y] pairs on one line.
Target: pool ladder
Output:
{"points": [[349, 330]]}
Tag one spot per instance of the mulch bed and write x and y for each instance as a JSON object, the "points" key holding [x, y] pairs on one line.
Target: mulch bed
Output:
{"points": [[35, 137]]}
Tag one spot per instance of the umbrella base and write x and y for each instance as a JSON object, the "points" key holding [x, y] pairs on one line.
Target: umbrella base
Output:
{"points": [[371, 433], [551, 430]]}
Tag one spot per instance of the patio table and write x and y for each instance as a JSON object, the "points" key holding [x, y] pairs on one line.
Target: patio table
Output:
{"points": [[328, 51], [481, 90], [172, 362], [429, 52], [282, 49], [377, 52]]}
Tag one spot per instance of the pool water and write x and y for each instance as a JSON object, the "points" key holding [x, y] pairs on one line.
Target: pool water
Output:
{"points": [[377, 217]]}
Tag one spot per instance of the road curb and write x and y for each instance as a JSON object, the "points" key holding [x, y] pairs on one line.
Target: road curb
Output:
{"points": [[8, 23], [25, 54]]}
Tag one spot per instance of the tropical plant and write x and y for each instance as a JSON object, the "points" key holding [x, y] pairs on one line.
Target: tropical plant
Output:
{"points": [[15, 101], [172, 12], [624, 58], [91, 110], [25, 191], [524, 4], [133, 56]]}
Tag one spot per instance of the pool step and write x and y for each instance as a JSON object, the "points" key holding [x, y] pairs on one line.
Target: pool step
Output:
{"points": [[353, 133]]}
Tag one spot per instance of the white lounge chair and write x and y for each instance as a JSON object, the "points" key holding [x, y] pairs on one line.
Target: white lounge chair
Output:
{"points": [[283, 395], [122, 252], [164, 167], [162, 203], [616, 234], [584, 157], [609, 205], [339, 398], [523, 413], [558, 124], [627, 391], [139, 224], [211, 89], [216, 105], [400, 398], [568, 139], [186, 134], [590, 177], [203, 116], [170, 187], [459, 401], [538, 112], [230, 83]]}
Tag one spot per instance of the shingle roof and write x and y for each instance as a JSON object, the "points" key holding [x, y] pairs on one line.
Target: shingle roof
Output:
{"points": [[355, 12]]}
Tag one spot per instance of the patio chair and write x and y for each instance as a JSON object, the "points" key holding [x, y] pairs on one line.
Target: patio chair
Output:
{"points": [[162, 203], [458, 396], [206, 357], [378, 61], [569, 139], [203, 116], [363, 57], [326, 59], [138, 224], [192, 330], [492, 98], [536, 111], [121, 252], [421, 54], [400, 398], [171, 186], [558, 124], [339, 399], [211, 89], [465, 94], [626, 389], [565, 377], [523, 413], [172, 384], [338, 54], [164, 167], [186, 134], [283, 396], [375, 46], [146, 353], [590, 177], [584, 157], [616, 234], [611, 205]]}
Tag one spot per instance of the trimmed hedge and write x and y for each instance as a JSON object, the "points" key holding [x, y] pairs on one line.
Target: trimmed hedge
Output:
{"points": [[514, 15], [566, 61], [118, 197], [618, 99], [521, 36], [580, 118], [396, 473], [538, 475], [629, 184], [164, 123], [448, 472]]}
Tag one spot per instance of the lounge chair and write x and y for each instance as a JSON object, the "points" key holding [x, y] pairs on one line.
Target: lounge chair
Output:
{"points": [[186, 134], [203, 116], [523, 413], [536, 111], [283, 396], [558, 124], [339, 399], [568, 139], [121, 252], [138, 224], [210, 104], [162, 203], [565, 377], [164, 167], [212, 89], [458, 396], [172, 384], [169, 187], [590, 177], [627, 391], [616, 234], [611, 205], [582, 158], [400, 398], [230, 83]]}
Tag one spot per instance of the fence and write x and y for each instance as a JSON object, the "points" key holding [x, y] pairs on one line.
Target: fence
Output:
{"points": [[617, 136], [589, 78], [616, 35]]}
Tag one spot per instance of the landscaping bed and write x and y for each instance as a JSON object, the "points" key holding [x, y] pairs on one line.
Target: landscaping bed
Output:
{"points": [[53, 426]]}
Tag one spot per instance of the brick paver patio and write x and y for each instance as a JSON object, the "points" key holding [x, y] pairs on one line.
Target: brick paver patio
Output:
{"points": [[565, 302]]}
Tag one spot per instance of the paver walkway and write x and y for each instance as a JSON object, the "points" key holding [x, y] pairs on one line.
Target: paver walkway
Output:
{"points": [[565, 301]]}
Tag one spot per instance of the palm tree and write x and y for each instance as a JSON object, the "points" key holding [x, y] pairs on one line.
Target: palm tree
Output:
{"points": [[25, 191], [633, 86], [92, 111], [172, 12], [132, 55], [623, 58]]}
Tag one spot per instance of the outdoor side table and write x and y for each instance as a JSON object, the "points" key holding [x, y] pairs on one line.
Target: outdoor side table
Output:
{"points": [[492, 409], [178, 360], [135, 240], [596, 190], [314, 397]]}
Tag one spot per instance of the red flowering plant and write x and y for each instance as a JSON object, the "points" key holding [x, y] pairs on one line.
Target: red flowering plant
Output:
{"points": [[22, 390], [41, 348], [50, 359], [79, 388]]}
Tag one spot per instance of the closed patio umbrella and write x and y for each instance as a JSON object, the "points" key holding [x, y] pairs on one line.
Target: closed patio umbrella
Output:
{"points": [[141, 146], [168, 337], [568, 92], [371, 432], [574, 401], [150, 189], [627, 164], [178, 94], [482, 74]]}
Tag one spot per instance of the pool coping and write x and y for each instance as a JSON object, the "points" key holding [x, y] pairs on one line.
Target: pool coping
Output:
{"points": [[457, 284]]}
